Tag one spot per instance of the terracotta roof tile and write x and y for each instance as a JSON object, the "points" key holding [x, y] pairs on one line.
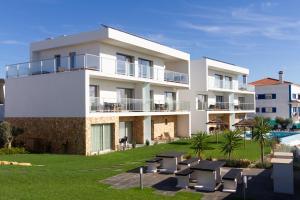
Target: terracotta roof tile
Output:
{"points": [[267, 81]]}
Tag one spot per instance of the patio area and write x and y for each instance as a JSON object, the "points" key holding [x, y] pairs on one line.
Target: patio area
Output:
{"points": [[259, 184]]}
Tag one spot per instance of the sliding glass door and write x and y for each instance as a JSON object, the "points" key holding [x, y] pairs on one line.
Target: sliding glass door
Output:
{"points": [[126, 131], [101, 137]]}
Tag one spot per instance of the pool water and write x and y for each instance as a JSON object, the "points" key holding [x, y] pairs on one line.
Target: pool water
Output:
{"points": [[277, 134]]}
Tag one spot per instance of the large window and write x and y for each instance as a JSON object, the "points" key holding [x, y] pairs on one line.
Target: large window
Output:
{"points": [[201, 102], [145, 68], [170, 100], [125, 64], [101, 137], [218, 81], [228, 82], [94, 91]]}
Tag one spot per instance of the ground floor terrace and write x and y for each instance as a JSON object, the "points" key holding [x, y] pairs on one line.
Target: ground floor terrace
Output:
{"points": [[209, 121], [99, 134], [113, 176]]}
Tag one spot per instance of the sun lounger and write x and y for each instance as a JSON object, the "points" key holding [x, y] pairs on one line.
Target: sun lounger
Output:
{"points": [[231, 180], [183, 178], [153, 164]]}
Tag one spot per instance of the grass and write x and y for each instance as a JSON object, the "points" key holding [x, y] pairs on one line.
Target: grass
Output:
{"points": [[77, 177]]}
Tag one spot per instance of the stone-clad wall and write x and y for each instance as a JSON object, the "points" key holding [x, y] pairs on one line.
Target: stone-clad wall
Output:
{"points": [[164, 124], [73, 135], [102, 120], [55, 135]]}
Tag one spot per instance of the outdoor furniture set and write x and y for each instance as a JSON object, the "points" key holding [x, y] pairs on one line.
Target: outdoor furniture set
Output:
{"points": [[205, 174]]}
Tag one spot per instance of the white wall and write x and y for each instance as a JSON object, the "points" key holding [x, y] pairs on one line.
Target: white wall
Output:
{"points": [[49, 95], [281, 102]]}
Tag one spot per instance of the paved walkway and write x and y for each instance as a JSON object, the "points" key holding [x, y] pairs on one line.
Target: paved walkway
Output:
{"points": [[259, 185]]}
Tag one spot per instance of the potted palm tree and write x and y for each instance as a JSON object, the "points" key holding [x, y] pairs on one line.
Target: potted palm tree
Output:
{"points": [[200, 143], [232, 141], [260, 130]]}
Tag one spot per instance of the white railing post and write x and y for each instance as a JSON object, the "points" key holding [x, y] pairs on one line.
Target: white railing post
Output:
{"points": [[69, 63], [54, 66], [41, 66], [84, 61], [29, 68], [7, 68], [18, 67], [100, 64]]}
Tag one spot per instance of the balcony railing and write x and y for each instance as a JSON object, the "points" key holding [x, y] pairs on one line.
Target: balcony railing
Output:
{"points": [[93, 62], [244, 106], [220, 106], [98, 104], [176, 77], [246, 87]]}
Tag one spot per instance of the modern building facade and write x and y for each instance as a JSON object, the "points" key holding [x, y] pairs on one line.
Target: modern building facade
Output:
{"points": [[277, 98], [82, 93], [219, 92]]}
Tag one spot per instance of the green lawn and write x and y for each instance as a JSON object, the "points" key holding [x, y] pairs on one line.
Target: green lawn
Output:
{"points": [[77, 177]]}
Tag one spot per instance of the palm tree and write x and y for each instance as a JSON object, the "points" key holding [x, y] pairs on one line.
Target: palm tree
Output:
{"points": [[261, 128], [200, 143], [232, 141]]}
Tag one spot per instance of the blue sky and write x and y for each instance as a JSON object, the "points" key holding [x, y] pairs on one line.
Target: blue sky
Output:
{"points": [[261, 35]]}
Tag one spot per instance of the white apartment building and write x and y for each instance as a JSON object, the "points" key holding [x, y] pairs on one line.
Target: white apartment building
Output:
{"points": [[277, 98], [82, 93], [219, 92]]}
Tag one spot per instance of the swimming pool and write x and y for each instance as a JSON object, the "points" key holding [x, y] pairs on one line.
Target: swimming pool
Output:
{"points": [[274, 134]]}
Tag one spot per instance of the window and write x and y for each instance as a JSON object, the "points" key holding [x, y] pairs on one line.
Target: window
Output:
{"points": [[257, 109], [145, 68], [294, 109], [270, 96], [57, 62], [219, 99], [228, 82], [298, 96], [294, 96], [218, 81], [269, 110], [72, 60], [265, 96], [94, 91], [125, 64], [201, 102], [166, 121], [261, 96]]}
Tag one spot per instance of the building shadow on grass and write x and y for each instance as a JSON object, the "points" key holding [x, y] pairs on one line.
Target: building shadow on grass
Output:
{"points": [[168, 184], [260, 186]]}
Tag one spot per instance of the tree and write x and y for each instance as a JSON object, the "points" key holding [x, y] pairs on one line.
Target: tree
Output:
{"points": [[284, 123], [232, 141], [200, 143], [8, 133], [272, 143], [260, 130]]}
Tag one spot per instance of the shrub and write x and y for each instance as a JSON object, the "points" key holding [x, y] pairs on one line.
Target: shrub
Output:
{"points": [[265, 165], [13, 150], [242, 163]]}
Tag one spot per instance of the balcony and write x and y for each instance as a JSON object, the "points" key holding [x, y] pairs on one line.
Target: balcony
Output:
{"points": [[92, 62], [226, 106], [98, 104], [246, 87]]}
